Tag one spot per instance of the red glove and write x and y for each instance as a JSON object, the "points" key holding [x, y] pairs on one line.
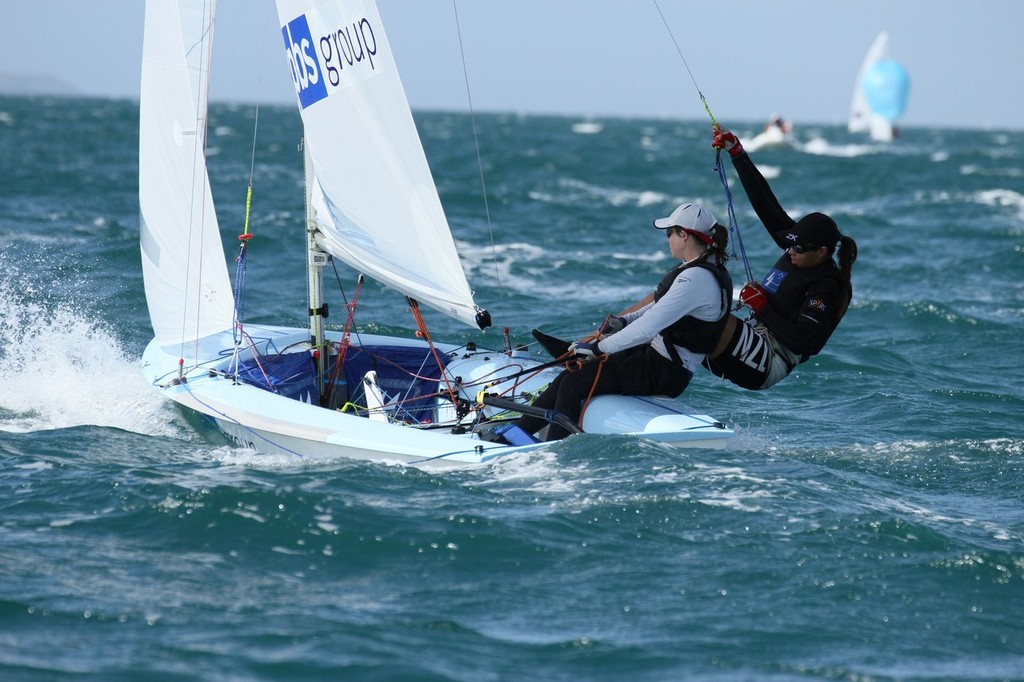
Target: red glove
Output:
{"points": [[723, 139], [753, 295]]}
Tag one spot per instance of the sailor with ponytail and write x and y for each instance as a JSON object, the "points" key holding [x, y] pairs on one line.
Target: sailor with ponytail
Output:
{"points": [[799, 303]]}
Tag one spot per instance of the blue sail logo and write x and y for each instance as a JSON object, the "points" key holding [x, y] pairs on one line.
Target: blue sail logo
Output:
{"points": [[307, 75]]}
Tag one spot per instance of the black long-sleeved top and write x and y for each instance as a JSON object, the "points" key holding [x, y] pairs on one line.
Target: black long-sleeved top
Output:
{"points": [[803, 303]]}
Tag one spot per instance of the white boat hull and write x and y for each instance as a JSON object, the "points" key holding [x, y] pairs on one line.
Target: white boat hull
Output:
{"points": [[269, 423], [770, 138]]}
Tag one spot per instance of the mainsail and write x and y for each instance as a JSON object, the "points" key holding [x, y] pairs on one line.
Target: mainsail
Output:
{"points": [[372, 195], [183, 265]]}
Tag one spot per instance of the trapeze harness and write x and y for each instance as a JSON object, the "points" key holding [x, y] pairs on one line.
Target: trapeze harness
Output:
{"points": [[700, 336], [753, 356]]}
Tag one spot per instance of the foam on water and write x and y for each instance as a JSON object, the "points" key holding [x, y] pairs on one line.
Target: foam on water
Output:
{"points": [[61, 369], [822, 147], [1003, 198], [538, 471], [866, 515]]}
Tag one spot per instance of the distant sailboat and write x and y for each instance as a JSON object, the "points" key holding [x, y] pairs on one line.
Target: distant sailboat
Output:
{"points": [[777, 133], [587, 127], [880, 93]]}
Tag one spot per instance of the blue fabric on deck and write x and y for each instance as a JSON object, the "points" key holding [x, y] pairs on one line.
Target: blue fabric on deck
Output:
{"points": [[402, 374], [407, 374], [292, 375]]}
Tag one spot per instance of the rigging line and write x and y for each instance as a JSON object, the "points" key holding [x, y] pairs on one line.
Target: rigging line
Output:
{"points": [[680, 51], [651, 400], [531, 371], [242, 261], [228, 417], [252, 161], [256, 123], [593, 387], [344, 342], [202, 95], [734, 227], [414, 307], [344, 296], [237, 327], [477, 450], [479, 159]]}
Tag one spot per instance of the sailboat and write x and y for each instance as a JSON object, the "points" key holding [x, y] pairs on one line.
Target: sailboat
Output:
{"points": [[777, 133], [315, 392], [880, 93]]}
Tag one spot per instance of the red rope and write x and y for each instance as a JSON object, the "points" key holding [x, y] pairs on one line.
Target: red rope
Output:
{"points": [[345, 336], [422, 327], [586, 403]]}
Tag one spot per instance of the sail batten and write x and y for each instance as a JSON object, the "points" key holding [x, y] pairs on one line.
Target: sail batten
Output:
{"points": [[373, 196]]}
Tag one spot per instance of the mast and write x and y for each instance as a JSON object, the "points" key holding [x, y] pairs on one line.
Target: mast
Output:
{"points": [[316, 259]]}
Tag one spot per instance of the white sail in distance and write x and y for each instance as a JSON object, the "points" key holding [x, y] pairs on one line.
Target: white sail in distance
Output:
{"points": [[861, 116]]}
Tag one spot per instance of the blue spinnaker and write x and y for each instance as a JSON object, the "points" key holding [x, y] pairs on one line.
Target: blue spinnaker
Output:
{"points": [[886, 86]]}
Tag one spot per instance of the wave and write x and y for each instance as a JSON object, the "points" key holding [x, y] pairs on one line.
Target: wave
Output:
{"points": [[59, 369], [821, 147]]}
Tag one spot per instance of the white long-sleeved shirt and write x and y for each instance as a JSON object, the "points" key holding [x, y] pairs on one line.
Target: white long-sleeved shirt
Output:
{"points": [[694, 292]]}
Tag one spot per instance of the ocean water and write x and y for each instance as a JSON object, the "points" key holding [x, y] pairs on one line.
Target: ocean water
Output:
{"points": [[867, 522]]}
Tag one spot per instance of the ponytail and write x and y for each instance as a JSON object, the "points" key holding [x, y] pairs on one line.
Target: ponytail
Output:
{"points": [[847, 257], [720, 235]]}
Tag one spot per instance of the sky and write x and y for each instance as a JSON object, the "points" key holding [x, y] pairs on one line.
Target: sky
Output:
{"points": [[596, 58]]}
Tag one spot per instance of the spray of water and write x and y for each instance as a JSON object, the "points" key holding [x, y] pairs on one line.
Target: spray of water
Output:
{"points": [[61, 368]]}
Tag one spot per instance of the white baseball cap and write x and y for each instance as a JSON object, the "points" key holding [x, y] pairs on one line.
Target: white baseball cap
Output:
{"points": [[693, 218]]}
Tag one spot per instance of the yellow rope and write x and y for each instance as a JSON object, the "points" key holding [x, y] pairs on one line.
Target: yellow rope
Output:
{"points": [[248, 206]]}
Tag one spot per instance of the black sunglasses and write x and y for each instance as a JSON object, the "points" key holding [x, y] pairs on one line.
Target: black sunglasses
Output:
{"points": [[804, 248]]}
